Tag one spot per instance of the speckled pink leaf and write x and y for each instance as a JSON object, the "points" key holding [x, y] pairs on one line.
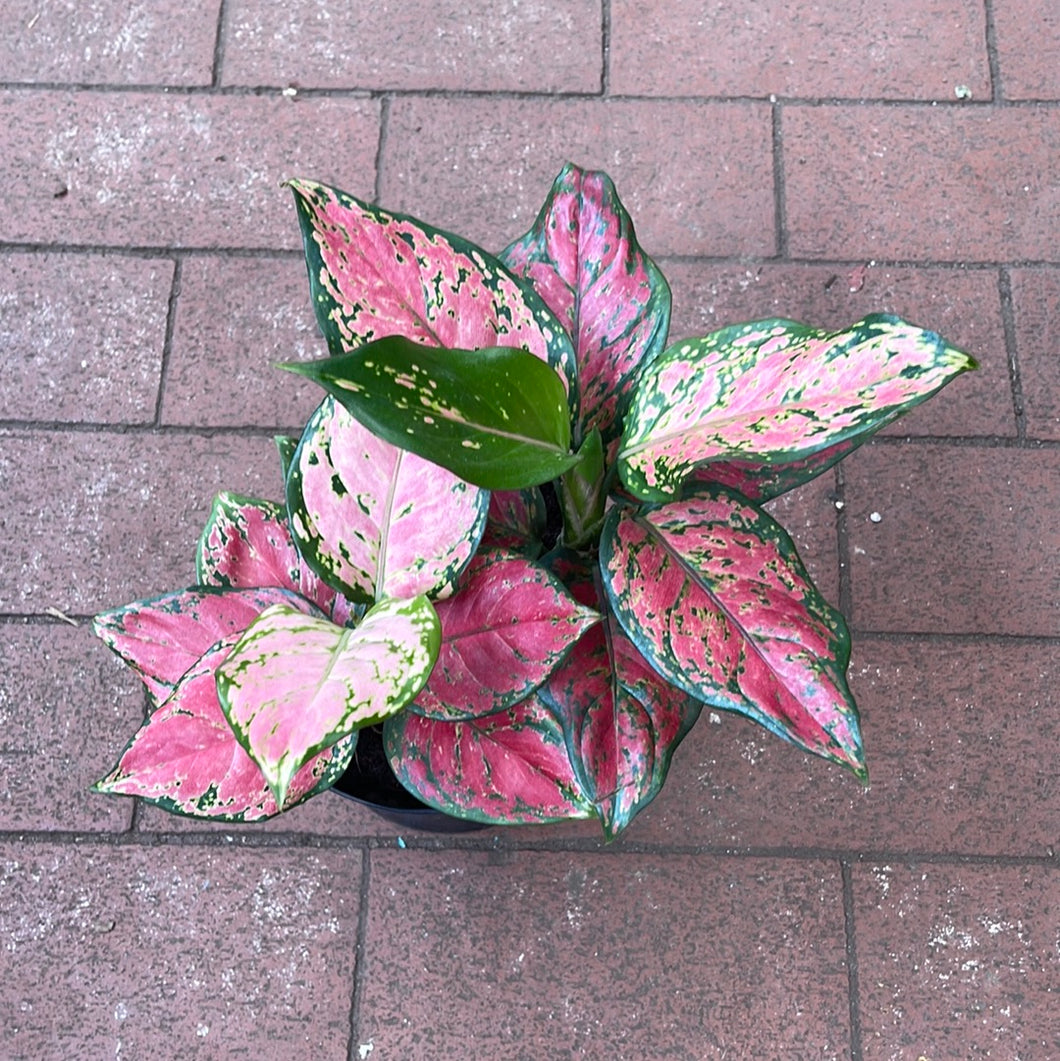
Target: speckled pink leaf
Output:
{"points": [[623, 721], [775, 391], [246, 543], [516, 519], [762, 482], [295, 685], [373, 273], [712, 593], [373, 520], [506, 628], [510, 768], [161, 638], [186, 759], [583, 258]]}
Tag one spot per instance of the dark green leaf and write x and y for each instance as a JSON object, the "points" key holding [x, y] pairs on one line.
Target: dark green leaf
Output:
{"points": [[496, 417]]}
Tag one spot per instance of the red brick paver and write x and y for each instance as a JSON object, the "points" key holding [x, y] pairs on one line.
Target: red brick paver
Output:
{"points": [[888, 49], [459, 45], [249, 951], [805, 160], [756, 964], [958, 962], [108, 42]]}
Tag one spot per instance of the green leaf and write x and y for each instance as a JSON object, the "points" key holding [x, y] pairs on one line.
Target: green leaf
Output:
{"points": [[583, 494], [285, 446], [294, 685], [496, 417]]}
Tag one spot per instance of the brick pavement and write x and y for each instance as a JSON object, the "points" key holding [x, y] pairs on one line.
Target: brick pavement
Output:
{"points": [[813, 160]]}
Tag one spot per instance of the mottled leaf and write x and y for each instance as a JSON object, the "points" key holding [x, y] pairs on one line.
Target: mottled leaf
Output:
{"points": [[373, 520], [496, 417], [161, 638], [186, 759], [622, 720], [583, 258], [775, 391], [507, 627], [295, 685], [712, 593], [516, 519], [247, 543], [509, 768], [373, 273], [763, 482]]}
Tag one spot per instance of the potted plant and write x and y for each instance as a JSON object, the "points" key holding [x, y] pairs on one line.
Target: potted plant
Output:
{"points": [[521, 533]]}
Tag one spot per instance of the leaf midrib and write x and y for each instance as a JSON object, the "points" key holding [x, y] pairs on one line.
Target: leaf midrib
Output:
{"points": [[746, 635]]}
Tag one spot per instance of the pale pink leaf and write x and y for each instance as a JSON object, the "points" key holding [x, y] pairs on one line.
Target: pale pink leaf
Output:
{"points": [[161, 638], [295, 685], [375, 521], [186, 759]]}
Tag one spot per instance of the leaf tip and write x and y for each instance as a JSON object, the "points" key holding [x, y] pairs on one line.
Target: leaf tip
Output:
{"points": [[300, 368]]}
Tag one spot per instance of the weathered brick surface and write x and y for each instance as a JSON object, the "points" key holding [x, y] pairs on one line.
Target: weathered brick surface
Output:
{"points": [[981, 189], [108, 42], [959, 741], [176, 951], [92, 521], [477, 45], [235, 318], [894, 49], [957, 961], [1028, 42], [74, 359], [696, 177], [962, 305], [1036, 296], [966, 540], [754, 967], [67, 707], [172, 170]]}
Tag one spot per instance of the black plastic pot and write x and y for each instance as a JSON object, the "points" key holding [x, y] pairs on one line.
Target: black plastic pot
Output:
{"points": [[369, 781]]}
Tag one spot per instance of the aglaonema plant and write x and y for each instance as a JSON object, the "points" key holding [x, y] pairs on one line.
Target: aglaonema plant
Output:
{"points": [[521, 532]]}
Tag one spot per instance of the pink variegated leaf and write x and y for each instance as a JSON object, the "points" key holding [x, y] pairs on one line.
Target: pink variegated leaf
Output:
{"points": [[583, 258], [373, 520], [623, 721], [161, 638], [763, 482], [373, 273], [186, 759], [516, 519], [712, 593], [246, 543], [504, 631], [775, 391], [509, 768], [295, 685]]}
